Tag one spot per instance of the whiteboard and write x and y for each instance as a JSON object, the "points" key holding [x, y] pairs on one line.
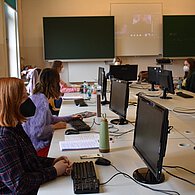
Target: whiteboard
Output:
{"points": [[138, 29]]}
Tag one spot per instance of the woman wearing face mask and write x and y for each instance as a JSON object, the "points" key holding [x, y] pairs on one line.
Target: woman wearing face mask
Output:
{"points": [[64, 88], [40, 127], [189, 76], [21, 170]]}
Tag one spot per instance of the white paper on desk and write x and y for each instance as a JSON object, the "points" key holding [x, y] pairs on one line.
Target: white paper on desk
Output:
{"points": [[79, 142], [82, 136], [72, 96]]}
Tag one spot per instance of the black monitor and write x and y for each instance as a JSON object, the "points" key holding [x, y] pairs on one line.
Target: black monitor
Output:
{"points": [[166, 82], [150, 140], [119, 97], [102, 82], [153, 73], [124, 72]]}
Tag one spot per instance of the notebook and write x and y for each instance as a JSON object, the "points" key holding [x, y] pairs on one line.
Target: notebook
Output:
{"points": [[80, 142]]}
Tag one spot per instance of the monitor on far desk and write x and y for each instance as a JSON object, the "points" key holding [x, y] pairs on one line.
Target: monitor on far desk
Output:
{"points": [[124, 72], [166, 82], [102, 82], [153, 73], [119, 98]]}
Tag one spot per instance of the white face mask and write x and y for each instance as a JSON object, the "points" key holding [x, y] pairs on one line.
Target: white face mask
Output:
{"points": [[186, 68], [117, 63]]}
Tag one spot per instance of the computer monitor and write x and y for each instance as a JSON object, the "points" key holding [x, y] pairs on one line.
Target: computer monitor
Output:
{"points": [[102, 82], [119, 97], [166, 82], [153, 73], [124, 72], [150, 140]]}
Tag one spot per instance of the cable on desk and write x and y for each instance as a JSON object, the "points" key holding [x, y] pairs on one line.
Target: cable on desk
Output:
{"points": [[111, 126], [183, 179], [179, 167], [123, 133], [169, 192], [170, 128], [184, 110], [93, 123]]}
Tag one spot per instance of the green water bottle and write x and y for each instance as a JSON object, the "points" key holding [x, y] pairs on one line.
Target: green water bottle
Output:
{"points": [[104, 146]]}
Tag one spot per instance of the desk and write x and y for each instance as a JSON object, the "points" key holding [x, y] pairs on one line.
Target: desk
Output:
{"points": [[123, 156]]}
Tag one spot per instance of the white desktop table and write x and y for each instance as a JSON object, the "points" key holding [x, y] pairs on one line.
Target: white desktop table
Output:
{"points": [[180, 151]]}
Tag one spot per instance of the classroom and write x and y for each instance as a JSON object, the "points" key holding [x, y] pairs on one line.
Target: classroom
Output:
{"points": [[127, 136]]}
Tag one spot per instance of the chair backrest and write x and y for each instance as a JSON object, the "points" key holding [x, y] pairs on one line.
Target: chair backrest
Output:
{"points": [[32, 76]]}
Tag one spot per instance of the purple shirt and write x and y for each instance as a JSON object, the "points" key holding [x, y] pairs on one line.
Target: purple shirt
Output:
{"points": [[38, 127]]}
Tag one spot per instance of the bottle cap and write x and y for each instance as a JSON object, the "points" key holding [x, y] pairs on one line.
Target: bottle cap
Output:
{"points": [[104, 118]]}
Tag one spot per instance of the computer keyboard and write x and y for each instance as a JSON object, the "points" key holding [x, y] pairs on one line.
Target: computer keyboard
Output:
{"points": [[84, 178], [184, 95], [80, 102], [79, 124]]}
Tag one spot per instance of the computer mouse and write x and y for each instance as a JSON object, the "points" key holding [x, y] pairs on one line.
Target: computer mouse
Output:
{"points": [[71, 132], [102, 161]]}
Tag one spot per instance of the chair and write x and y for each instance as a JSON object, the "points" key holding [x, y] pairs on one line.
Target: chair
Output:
{"points": [[32, 76], [54, 105]]}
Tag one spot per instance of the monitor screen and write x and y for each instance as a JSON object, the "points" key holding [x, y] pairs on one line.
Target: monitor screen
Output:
{"points": [[166, 82], [150, 139], [79, 38], [119, 97], [102, 82], [124, 72], [153, 73]]}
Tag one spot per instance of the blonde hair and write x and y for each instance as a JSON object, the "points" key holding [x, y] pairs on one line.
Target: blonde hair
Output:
{"points": [[11, 97]]}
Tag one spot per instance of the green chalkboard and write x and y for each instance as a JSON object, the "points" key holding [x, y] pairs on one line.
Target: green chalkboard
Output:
{"points": [[179, 35], [75, 38]]}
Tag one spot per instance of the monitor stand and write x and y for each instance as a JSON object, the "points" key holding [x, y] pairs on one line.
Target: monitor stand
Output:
{"points": [[120, 121], [104, 102], [144, 175], [164, 96]]}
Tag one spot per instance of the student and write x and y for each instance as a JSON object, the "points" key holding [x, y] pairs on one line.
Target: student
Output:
{"points": [[21, 170], [189, 77], [40, 127], [64, 88], [117, 61]]}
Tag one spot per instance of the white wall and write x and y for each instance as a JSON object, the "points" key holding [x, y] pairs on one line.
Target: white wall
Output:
{"points": [[32, 12]]}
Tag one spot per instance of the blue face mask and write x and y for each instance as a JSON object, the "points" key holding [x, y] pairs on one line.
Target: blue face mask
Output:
{"points": [[28, 108]]}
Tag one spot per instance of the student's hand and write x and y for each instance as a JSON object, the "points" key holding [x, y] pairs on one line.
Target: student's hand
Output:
{"points": [[59, 125], [65, 158], [77, 116], [62, 168]]}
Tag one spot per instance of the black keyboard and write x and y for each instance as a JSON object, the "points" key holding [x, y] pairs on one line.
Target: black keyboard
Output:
{"points": [[184, 95], [79, 124], [80, 102], [84, 178]]}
